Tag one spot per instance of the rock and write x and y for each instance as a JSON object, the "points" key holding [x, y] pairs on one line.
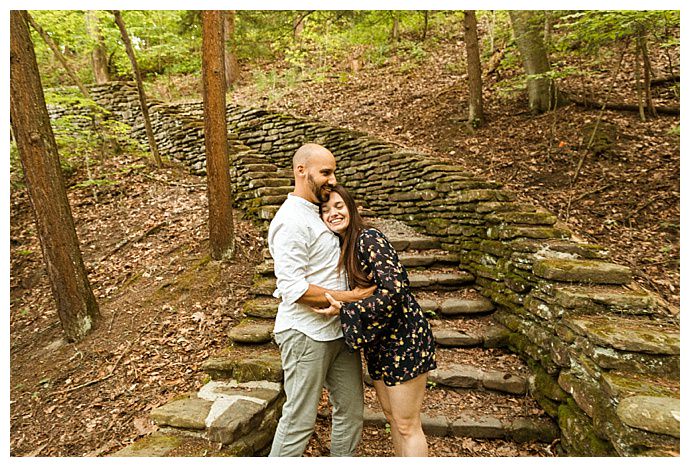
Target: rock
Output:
{"points": [[240, 417], [260, 368], [458, 306], [598, 299], [593, 272], [264, 286], [435, 426], [628, 334], [260, 309], [251, 333], [451, 338], [376, 419], [428, 305], [412, 260], [495, 336], [504, 382], [154, 445], [655, 414], [189, 413], [525, 429], [477, 426], [457, 376]]}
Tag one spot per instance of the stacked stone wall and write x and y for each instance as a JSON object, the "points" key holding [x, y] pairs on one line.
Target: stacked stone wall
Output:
{"points": [[605, 355]]}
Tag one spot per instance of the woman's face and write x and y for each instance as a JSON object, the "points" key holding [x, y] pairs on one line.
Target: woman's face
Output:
{"points": [[335, 214]]}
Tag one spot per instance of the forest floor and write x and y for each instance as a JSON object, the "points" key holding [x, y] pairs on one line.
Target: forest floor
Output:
{"points": [[165, 307]]}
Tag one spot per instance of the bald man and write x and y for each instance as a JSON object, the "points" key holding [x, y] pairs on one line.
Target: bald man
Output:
{"points": [[312, 347]]}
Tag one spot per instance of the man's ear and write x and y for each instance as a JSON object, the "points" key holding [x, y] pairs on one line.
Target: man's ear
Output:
{"points": [[300, 170]]}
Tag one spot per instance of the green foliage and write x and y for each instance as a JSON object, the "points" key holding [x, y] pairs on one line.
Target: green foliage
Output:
{"points": [[588, 31]]}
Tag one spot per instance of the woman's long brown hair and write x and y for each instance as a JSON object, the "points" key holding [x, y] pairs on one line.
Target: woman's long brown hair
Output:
{"points": [[348, 242]]}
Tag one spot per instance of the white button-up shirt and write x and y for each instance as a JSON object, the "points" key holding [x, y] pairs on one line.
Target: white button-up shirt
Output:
{"points": [[304, 252]]}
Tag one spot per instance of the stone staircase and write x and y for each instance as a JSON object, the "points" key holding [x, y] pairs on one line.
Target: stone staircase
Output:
{"points": [[236, 412]]}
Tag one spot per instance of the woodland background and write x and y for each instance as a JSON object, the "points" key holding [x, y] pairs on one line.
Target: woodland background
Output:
{"points": [[400, 75]]}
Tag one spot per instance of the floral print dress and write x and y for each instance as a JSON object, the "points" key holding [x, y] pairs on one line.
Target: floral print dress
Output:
{"points": [[389, 326]]}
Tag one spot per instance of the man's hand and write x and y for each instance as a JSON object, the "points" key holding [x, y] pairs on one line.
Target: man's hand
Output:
{"points": [[332, 310], [363, 292]]}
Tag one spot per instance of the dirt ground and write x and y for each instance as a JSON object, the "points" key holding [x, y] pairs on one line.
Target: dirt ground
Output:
{"points": [[165, 306]]}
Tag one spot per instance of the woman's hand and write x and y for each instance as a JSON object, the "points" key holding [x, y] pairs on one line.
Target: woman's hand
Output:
{"points": [[332, 310]]}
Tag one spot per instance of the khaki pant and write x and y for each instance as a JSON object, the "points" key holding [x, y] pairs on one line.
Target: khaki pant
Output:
{"points": [[308, 366]]}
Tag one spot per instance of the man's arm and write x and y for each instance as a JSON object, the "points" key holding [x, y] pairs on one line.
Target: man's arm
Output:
{"points": [[315, 296]]}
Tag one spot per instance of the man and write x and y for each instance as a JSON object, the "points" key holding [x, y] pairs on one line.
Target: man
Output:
{"points": [[312, 347]]}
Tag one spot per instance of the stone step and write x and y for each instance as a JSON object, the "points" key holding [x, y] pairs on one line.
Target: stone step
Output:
{"points": [[408, 259], [265, 307], [171, 442], [466, 376], [471, 332], [439, 279], [467, 424], [242, 416], [263, 365], [250, 331], [451, 306], [442, 279], [402, 236]]}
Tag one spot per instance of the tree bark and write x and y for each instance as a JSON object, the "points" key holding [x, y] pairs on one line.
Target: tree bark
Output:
{"points": [[99, 57], [221, 234], [528, 28], [474, 70], [140, 87], [232, 68], [76, 304], [56, 51]]}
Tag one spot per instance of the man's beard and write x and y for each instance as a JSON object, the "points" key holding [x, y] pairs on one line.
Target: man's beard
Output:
{"points": [[321, 194]]}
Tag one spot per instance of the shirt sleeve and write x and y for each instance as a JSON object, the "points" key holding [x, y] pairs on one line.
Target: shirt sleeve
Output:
{"points": [[288, 246], [364, 320]]}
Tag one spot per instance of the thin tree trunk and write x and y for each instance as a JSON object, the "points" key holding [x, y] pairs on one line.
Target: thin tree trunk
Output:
{"points": [[541, 89], [647, 71], [221, 234], [99, 57], [232, 68], [638, 78], [56, 51], [474, 70], [426, 24], [140, 86], [76, 304], [395, 29]]}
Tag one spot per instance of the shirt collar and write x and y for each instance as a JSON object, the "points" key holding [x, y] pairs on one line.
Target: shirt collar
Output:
{"points": [[304, 202]]}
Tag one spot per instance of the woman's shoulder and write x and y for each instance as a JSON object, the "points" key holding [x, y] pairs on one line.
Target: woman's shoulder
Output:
{"points": [[369, 232]]}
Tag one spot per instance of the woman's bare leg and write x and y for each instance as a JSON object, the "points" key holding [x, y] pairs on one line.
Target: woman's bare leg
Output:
{"points": [[405, 405], [382, 396]]}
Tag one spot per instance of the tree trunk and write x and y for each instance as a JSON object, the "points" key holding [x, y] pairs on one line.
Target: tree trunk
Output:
{"points": [[221, 234], [474, 70], [528, 28], [232, 68], [642, 38], [140, 86], [638, 83], [99, 57], [395, 28], [56, 51], [76, 304]]}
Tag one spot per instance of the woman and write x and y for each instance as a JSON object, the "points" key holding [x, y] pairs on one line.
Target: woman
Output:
{"points": [[389, 326]]}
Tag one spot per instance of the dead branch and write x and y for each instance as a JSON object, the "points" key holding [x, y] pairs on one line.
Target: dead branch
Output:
{"points": [[174, 183], [135, 239], [588, 104], [117, 362]]}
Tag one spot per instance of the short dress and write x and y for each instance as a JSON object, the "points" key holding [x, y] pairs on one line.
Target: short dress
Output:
{"points": [[388, 326]]}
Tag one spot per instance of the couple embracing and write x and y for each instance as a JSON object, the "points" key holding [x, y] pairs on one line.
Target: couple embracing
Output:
{"points": [[343, 291]]}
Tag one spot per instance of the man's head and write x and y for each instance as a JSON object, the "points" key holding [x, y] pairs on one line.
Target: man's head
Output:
{"points": [[314, 169]]}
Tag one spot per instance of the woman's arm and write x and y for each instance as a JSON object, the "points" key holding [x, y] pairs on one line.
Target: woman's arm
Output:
{"points": [[363, 320]]}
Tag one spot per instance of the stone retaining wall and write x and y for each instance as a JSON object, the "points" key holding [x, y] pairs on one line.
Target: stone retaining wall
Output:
{"points": [[605, 356]]}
